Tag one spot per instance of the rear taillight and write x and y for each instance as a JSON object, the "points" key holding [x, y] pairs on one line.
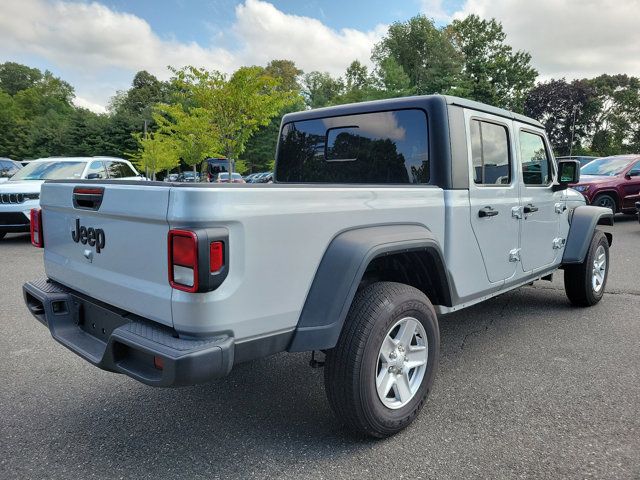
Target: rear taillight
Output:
{"points": [[183, 260], [37, 238], [216, 256]]}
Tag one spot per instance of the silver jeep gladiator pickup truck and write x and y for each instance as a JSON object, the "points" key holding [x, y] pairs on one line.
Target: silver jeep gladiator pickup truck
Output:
{"points": [[382, 216]]}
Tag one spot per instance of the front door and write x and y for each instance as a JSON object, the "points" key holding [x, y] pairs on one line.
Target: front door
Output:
{"points": [[631, 187], [493, 192], [540, 206]]}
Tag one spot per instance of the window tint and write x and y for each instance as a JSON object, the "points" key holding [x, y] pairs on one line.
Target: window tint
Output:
{"points": [[379, 148], [119, 169], [51, 171], [490, 153], [7, 169], [536, 168], [96, 171]]}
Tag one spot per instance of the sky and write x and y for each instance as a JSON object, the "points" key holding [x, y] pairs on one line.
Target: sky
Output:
{"points": [[98, 46]]}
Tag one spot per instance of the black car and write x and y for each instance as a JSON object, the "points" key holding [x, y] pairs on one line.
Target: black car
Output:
{"points": [[214, 166], [8, 168]]}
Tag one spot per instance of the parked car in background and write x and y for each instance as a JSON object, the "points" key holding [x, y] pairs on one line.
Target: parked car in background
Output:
{"points": [[8, 168], [611, 182], [172, 177], [21, 192], [264, 177], [224, 178], [190, 177], [249, 178], [581, 158]]}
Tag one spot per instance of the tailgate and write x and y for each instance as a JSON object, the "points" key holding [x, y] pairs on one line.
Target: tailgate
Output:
{"points": [[127, 264]]}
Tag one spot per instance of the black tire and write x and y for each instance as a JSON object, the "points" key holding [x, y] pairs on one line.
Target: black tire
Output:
{"points": [[606, 201], [350, 368], [578, 279]]}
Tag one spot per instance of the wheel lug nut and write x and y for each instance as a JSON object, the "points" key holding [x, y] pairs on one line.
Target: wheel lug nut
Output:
{"points": [[392, 355]]}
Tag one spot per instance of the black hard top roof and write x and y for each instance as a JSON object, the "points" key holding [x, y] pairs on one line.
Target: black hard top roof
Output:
{"points": [[405, 102]]}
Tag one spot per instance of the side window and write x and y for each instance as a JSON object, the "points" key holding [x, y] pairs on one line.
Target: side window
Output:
{"points": [[490, 153], [96, 171], [536, 167], [635, 170], [119, 170], [390, 147]]}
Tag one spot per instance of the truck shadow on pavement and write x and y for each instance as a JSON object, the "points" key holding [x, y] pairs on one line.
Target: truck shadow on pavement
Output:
{"points": [[272, 414]]}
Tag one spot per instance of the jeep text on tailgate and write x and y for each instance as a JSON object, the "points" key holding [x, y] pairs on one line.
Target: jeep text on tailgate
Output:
{"points": [[382, 216]]}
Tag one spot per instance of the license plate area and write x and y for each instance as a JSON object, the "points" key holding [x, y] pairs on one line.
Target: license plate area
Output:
{"points": [[97, 320]]}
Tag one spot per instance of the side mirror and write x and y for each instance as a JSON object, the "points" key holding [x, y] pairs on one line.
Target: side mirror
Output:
{"points": [[94, 176], [568, 173]]}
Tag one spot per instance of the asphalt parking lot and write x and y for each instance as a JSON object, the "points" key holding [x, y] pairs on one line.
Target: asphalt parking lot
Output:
{"points": [[528, 387]]}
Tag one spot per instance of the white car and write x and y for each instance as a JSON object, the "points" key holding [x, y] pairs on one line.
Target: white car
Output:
{"points": [[21, 192], [8, 169]]}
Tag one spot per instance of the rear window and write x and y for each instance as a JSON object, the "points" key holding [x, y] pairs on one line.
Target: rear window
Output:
{"points": [[376, 148]]}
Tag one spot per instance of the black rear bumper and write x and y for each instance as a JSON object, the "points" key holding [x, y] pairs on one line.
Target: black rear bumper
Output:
{"points": [[14, 222], [121, 342]]}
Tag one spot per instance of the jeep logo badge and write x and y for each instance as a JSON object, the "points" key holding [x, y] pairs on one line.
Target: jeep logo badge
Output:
{"points": [[92, 236]]}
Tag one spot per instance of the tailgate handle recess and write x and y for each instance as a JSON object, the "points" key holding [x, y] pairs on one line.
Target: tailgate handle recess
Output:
{"points": [[88, 198]]}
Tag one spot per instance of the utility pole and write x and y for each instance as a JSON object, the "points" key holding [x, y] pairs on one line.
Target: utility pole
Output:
{"points": [[573, 128]]}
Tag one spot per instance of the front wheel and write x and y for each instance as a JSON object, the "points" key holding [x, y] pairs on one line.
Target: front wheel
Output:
{"points": [[584, 283], [606, 201], [379, 374]]}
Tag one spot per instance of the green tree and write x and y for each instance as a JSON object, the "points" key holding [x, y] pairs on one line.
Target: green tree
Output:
{"points": [[234, 107], [391, 79], [555, 104], [15, 77], [189, 130], [320, 89], [156, 153], [260, 150], [491, 71], [424, 52]]}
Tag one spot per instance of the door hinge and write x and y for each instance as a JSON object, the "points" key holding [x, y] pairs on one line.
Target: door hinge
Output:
{"points": [[558, 243], [514, 255], [560, 208], [516, 212]]}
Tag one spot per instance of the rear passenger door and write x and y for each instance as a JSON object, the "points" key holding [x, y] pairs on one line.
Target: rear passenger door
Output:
{"points": [[493, 192], [120, 170], [541, 207]]}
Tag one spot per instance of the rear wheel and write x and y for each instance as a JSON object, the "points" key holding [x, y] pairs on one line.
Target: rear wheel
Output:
{"points": [[606, 201], [379, 374], [584, 283]]}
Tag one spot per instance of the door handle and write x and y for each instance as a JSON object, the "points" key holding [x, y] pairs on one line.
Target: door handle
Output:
{"points": [[487, 212], [530, 209]]}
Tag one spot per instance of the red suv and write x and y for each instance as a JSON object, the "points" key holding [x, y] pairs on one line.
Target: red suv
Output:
{"points": [[612, 182]]}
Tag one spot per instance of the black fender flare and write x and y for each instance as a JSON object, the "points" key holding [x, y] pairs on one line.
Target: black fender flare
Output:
{"points": [[584, 220], [341, 270]]}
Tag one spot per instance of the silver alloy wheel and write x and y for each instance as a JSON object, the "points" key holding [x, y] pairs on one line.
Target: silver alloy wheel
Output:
{"points": [[402, 362], [599, 269]]}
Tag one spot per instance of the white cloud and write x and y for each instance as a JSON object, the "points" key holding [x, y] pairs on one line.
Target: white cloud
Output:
{"points": [[569, 38], [84, 103], [268, 33], [434, 9], [99, 47]]}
